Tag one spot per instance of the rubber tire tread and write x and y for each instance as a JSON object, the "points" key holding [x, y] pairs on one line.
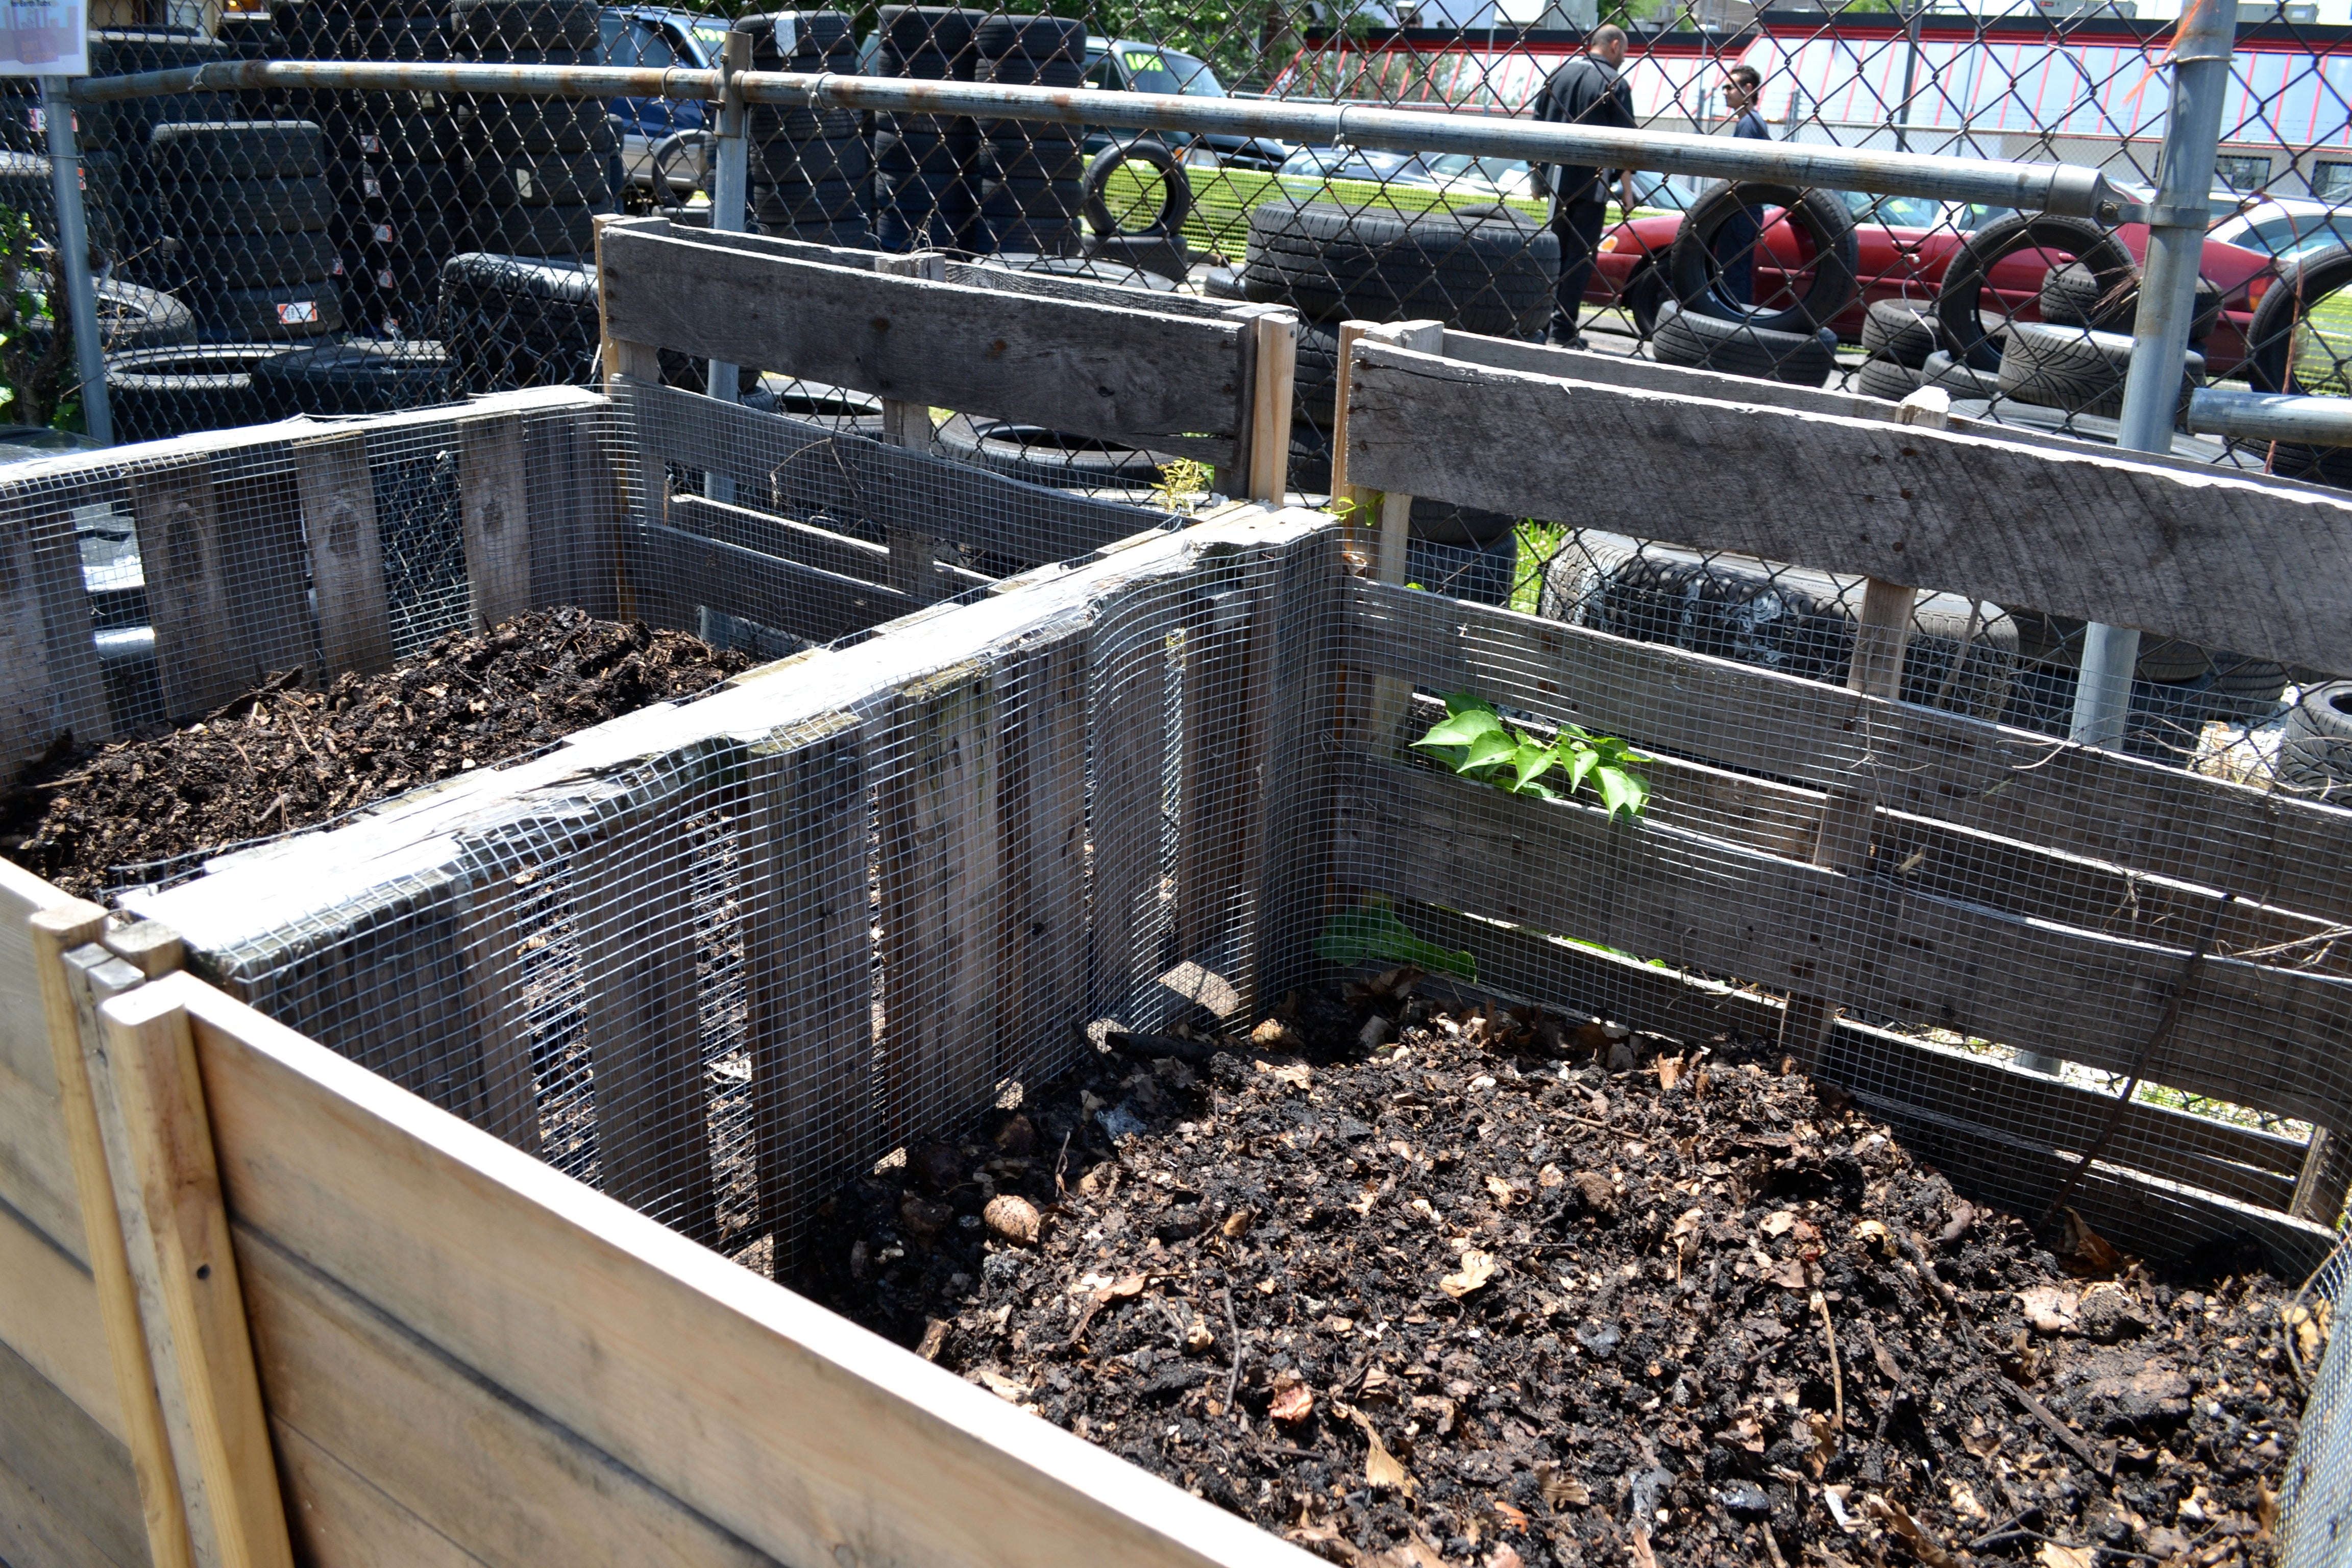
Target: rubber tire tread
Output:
{"points": [[2076, 369], [519, 180], [1175, 202], [1837, 257], [253, 312], [1031, 39], [1740, 348], [567, 230], [526, 24], [1491, 274], [262, 262], [351, 378], [238, 150], [1902, 329], [2316, 753], [251, 206], [536, 127], [1883, 376], [1959, 299], [161, 392]]}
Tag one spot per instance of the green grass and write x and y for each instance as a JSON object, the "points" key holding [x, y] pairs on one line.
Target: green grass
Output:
{"points": [[1222, 200], [2322, 352], [1538, 543]]}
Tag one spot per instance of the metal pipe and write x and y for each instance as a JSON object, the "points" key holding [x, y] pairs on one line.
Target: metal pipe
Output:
{"points": [[731, 176], [2271, 416], [73, 247], [2064, 188], [2176, 219]]}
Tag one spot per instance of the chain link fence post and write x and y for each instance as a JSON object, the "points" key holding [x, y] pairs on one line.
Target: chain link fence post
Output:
{"points": [[73, 247], [2178, 219]]}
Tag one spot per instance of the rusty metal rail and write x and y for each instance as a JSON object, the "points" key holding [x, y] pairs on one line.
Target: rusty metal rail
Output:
{"points": [[2064, 188]]}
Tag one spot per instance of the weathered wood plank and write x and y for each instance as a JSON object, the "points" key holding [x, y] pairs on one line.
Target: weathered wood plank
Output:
{"points": [[27, 705], [49, 1316], [83, 1470], [630, 903], [496, 502], [77, 684], [2010, 783], [1223, 763], [1050, 286], [181, 551], [36, 1532], [440, 1442], [2249, 1035], [341, 1519], [1070, 365], [672, 572], [567, 478], [1041, 813], [490, 949], [2222, 559], [1131, 684], [787, 1426], [799, 542], [808, 961], [37, 1173], [263, 557], [940, 748], [175, 1233], [1309, 686], [346, 555]]}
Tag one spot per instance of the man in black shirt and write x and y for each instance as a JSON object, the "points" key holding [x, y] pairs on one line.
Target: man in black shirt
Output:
{"points": [[1587, 90]]}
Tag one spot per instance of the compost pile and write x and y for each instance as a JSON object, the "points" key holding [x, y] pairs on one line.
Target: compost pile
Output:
{"points": [[1415, 1286], [280, 757]]}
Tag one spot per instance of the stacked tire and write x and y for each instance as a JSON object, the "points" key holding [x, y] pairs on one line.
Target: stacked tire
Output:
{"points": [[1484, 269], [926, 166], [249, 205], [396, 191], [1688, 338], [812, 170], [533, 173], [512, 321], [1034, 172], [2270, 355], [1898, 335]]}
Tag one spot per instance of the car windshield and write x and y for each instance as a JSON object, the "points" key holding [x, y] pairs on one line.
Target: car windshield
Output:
{"points": [[711, 36], [1357, 163], [1500, 174], [1893, 212], [2295, 233], [1164, 70]]}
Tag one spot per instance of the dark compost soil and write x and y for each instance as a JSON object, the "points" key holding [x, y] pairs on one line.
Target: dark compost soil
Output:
{"points": [[1471, 1296], [281, 758]]}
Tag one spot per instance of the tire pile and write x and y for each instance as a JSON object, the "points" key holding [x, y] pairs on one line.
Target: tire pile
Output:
{"points": [[1033, 169], [812, 170], [926, 166], [533, 172], [248, 206], [1784, 335]]}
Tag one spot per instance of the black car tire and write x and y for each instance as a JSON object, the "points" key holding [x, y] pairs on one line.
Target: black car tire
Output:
{"points": [[552, 179], [1902, 330], [1691, 266], [526, 23], [1224, 283], [1960, 301], [909, 33], [2071, 297], [252, 206], [1175, 202], [238, 150], [534, 127], [2301, 284], [162, 392], [1315, 388], [129, 318], [1740, 348], [1463, 527], [354, 378], [266, 262], [812, 162], [1048, 457], [833, 201], [1883, 376], [1485, 269], [1031, 39], [2315, 754], [308, 309], [428, 189], [817, 35], [1962, 381], [1031, 197], [540, 231], [2075, 368], [767, 123]]}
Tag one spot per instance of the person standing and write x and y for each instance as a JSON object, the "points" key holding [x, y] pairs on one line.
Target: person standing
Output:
{"points": [[1587, 90], [1735, 242]]}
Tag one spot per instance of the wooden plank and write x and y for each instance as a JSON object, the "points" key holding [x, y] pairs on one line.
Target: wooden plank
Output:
{"points": [[77, 684], [2248, 1035], [496, 502], [267, 567], [939, 755], [822, 547], [908, 422], [37, 1173], [1307, 700], [49, 1315], [35, 1532], [1053, 286], [569, 480], [2010, 783], [490, 949], [167, 1191], [340, 1520], [2221, 559], [346, 555], [780, 1422], [1148, 379], [25, 1047], [1042, 814], [915, 566], [808, 961], [1273, 376], [1343, 490], [181, 551], [443, 1444], [673, 571], [27, 721], [1223, 765], [630, 904], [83, 1470], [1129, 684]]}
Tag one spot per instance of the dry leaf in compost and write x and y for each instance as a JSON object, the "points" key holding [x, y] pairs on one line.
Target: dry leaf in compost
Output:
{"points": [[2055, 1555], [1643, 1556], [1013, 1219], [1381, 1467], [1670, 1071], [1917, 1536], [1293, 1403], [1211, 990], [2266, 1506], [1477, 1268], [1324, 1542], [1560, 1491], [1002, 1386], [1780, 1222], [1503, 1556], [2050, 1308], [2086, 1251]]}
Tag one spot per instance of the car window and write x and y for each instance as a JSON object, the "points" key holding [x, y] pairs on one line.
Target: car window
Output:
{"points": [[1100, 75], [712, 37], [1892, 211], [653, 52], [1974, 216], [619, 48], [1165, 70]]}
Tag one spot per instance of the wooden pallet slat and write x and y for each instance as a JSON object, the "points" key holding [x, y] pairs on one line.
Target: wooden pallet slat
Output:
{"points": [[181, 551], [495, 497], [338, 496], [1042, 814], [490, 954]]}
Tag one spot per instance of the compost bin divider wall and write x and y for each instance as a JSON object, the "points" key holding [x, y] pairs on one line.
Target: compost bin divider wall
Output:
{"points": [[2012, 888]]}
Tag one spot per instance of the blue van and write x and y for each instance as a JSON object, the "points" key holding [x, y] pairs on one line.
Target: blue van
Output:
{"points": [[656, 38]]}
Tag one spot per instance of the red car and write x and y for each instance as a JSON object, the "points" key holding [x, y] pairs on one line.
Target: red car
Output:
{"points": [[1905, 243]]}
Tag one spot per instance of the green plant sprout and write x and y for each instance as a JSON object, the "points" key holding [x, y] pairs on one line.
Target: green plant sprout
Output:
{"points": [[1472, 741], [1374, 935], [1182, 482]]}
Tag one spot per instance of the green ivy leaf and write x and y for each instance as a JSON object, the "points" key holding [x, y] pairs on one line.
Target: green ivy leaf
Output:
{"points": [[1530, 762], [1462, 729], [1622, 791], [1581, 763]]}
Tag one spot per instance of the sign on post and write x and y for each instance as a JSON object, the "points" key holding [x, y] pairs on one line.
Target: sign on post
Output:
{"points": [[43, 37]]}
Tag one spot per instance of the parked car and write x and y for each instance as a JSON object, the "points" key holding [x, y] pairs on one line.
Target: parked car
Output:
{"points": [[1905, 245], [658, 38], [1133, 65], [2285, 227]]}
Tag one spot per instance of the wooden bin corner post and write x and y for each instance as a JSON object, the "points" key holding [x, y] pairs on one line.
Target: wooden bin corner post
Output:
{"points": [[337, 499], [1882, 633], [620, 357], [1391, 697], [495, 506], [1273, 384], [1354, 501], [904, 423], [176, 1236]]}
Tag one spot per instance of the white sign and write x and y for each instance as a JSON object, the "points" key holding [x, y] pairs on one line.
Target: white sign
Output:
{"points": [[43, 38]]}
